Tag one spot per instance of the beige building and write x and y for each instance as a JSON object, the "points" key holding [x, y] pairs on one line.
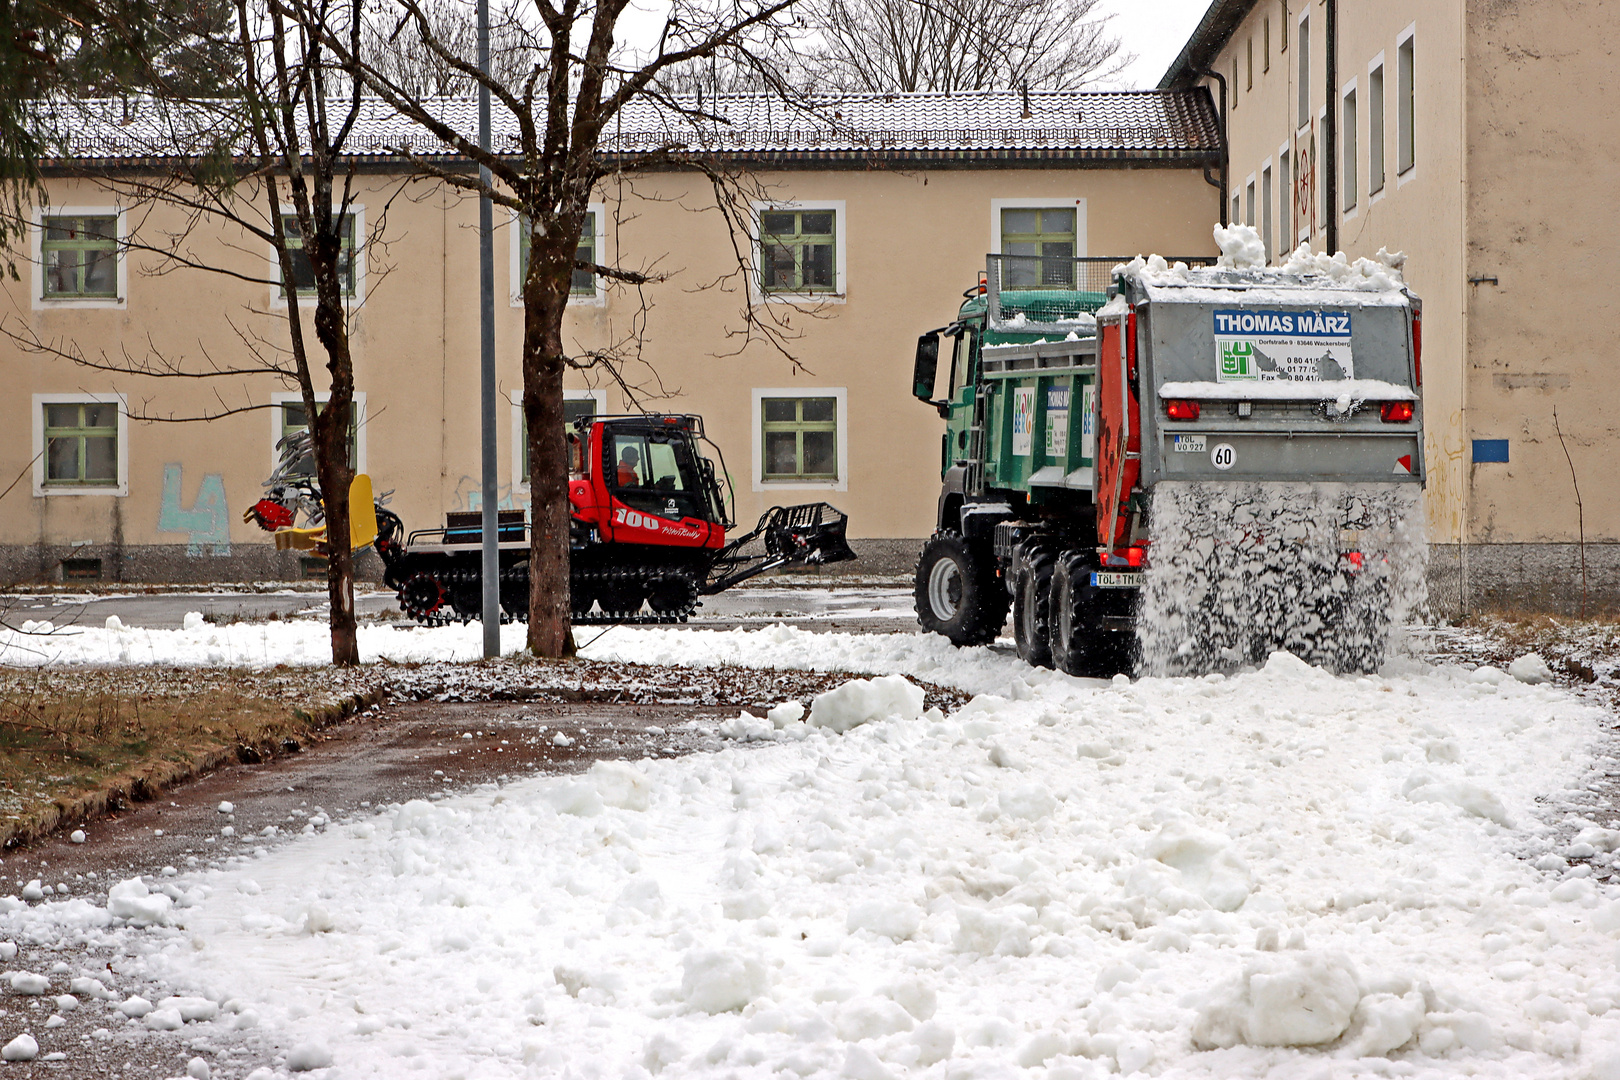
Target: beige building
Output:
{"points": [[1478, 138], [876, 224]]}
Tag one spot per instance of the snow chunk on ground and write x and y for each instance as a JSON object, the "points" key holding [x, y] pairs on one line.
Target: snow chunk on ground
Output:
{"points": [[192, 621], [1530, 668], [133, 902], [721, 980], [621, 784], [307, 1056], [896, 919], [861, 701], [22, 1048], [1295, 1001], [1206, 863], [27, 982], [1470, 798]]}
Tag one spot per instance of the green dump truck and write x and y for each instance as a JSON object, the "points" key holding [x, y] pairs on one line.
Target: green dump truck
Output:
{"points": [[1070, 399]]}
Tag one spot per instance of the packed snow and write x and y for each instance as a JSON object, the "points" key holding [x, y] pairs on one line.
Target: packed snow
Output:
{"points": [[1274, 873], [1242, 263], [1346, 391]]}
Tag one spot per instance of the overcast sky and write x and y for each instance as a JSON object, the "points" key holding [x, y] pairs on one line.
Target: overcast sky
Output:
{"points": [[1155, 30]]}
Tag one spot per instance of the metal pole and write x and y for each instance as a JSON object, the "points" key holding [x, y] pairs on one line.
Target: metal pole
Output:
{"points": [[486, 339]]}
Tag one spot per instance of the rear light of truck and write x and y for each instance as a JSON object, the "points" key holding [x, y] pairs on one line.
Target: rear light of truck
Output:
{"points": [[1395, 412], [1134, 556], [1177, 409], [1417, 345]]}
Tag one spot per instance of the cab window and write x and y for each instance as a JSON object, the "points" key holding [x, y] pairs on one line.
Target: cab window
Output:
{"points": [[961, 362]]}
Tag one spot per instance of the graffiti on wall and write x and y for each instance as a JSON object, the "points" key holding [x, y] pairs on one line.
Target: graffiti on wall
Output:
{"points": [[208, 522], [469, 495]]}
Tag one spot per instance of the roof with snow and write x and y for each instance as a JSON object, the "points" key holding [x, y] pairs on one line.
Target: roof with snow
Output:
{"points": [[1142, 127]]}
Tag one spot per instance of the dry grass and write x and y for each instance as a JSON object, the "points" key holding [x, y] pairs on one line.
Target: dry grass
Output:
{"points": [[98, 737]]}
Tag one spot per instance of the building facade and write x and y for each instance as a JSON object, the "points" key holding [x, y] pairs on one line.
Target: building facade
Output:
{"points": [[1476, 137], [853, 239]]}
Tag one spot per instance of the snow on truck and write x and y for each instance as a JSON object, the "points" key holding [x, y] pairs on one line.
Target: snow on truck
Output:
{"points": [[1186, 468], [647, 537]]}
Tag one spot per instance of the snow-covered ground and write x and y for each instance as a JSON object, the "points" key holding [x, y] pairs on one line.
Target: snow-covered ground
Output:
{"points": [[1279, 873]]}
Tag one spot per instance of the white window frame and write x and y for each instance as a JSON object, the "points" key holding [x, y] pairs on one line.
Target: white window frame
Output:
{"points": [[757, 293], [1402, 178], [1268, 199], [514, 269], [1048, 203], [519, 485], [1285, 190], [1302, 79], [293, 397], [759, 394], [1376, 64], [1251, 198], [41, 489], [1350, 160], [278, 302], [40, 302]]}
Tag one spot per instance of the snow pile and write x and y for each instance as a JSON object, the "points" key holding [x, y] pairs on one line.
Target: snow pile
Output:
{"points": [[1326, 572], [1381, 273], [1082, 877], [1343, 392], [1152, 270], [1241, 247], [1530, 668]]}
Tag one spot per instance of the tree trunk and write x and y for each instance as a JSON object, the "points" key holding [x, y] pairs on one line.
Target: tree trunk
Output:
{"points": [[331, 431], [550, 625]]}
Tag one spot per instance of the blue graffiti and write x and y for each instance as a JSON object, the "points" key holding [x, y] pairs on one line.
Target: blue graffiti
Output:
{"points": [[207, 522], [469, 495]]}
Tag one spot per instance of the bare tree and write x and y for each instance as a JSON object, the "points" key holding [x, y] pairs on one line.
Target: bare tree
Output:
{"points": [[243, 161], [562, 114], [888, 46], [400, 53]]}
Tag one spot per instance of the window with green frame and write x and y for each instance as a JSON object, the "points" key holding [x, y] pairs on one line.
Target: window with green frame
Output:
{"points": [[583, 282], [303, 271], [81, 444], [80, 256], [1047, 234], [573, 409], [294, 419], [801, 438], [798, 251]]}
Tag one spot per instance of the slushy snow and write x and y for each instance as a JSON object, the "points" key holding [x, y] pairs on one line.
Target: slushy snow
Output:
{"points": [[1277, 872]]}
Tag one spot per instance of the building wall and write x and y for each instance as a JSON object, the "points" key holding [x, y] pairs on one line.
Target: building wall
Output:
{"points": [[1544, 160], [1420, 212], [911, 242]]}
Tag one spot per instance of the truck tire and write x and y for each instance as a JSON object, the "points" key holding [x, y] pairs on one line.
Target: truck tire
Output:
{"points": [[1082, 643], [1032, 609], [957, 593]]}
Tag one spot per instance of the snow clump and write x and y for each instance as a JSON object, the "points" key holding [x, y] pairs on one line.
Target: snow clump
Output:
{"points": [[133, 902], [22, 1048], [721, 980], [27, 982], [861, 701], [1241, 247], [1294, 1001], [1530, 668]]}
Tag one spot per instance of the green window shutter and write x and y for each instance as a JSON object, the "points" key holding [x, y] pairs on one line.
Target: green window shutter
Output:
{"points": [[1045, 240], [798, 251], [800, 438], [80, 256], [81, 444]]}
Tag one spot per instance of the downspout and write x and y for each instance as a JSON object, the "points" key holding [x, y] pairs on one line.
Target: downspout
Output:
{"points": [[1330, 130], [1225, 148]]}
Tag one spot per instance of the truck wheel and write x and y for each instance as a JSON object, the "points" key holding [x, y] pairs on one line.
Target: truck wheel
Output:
{"points": [[1032, 610], [1082, 644], [673, 595], [957, 593], [621, 596]]}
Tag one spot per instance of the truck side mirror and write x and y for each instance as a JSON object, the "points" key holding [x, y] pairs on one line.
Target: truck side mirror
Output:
{"points": [[927, 365]]}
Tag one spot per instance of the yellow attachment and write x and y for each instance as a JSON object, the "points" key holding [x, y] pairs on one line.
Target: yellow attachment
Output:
{"points": [[300, 539], [362, 513]]}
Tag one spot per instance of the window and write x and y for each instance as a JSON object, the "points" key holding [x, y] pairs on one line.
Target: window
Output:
{"points": [[1375, 130], [1250, 74], [1304, 72], [1347, 140], [801, 438], [583, 282], [1237, 216], [80, 256], [1405, 144], [576, 404], [1265, 39], [1284, 27], [289, 418], [1046, 233], [303, 272], [1265, 210], [80, 440], [1234, 84], [1285, 198], [1248, 193], [798, 251]]}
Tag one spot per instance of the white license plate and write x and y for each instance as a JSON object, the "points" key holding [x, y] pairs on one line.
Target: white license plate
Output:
{"points": [[1189, 444], [1111, 579]]}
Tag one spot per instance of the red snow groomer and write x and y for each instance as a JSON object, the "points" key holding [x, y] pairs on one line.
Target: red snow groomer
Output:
{"points": [[647, 537]]}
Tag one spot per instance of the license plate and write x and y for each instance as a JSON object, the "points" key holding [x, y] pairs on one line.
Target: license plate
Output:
{"points": [[1189, 444], [1112, 579]]}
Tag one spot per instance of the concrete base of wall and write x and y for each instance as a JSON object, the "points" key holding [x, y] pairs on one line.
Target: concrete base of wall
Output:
{"points": [[1494, 577]]}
